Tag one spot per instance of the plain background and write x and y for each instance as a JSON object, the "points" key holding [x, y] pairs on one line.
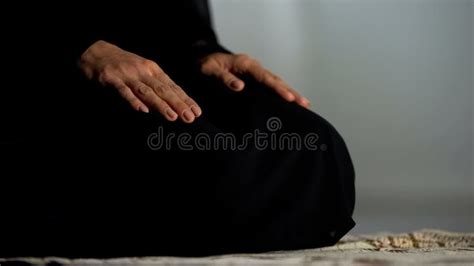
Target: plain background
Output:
{"points": [[395, 77]]}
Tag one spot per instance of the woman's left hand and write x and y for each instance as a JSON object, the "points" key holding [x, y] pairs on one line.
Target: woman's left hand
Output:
{"points": [[227, 67]]}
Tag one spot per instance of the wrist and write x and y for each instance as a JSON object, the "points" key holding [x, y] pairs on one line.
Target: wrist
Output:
{"points": [[93, 55]]}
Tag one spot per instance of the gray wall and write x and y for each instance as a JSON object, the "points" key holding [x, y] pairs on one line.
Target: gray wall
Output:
{"points": [[395, 77]]}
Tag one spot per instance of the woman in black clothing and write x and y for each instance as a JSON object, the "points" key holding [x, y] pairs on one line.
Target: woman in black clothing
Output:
{"points": [[146, 75]]}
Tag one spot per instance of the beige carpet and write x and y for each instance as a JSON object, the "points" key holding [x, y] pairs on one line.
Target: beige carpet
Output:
{"points": [[424, 247]]}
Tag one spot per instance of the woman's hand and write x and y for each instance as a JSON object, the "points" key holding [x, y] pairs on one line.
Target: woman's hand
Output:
{"points": [[140, 81], [227, 67]]}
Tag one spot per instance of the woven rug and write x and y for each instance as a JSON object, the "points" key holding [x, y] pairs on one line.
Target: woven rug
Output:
{"points": [[424, 247]]}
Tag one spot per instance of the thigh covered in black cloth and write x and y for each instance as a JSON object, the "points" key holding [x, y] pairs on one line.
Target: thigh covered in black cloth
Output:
{"points": [[115, 185], [292, 188]]}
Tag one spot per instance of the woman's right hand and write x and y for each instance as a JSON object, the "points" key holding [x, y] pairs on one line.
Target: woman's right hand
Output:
{"points": [[139, 81]]}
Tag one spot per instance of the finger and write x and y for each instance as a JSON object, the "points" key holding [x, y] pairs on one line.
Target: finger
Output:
{"points": [[195, 108], [298, 98], [128, 95], [282, 89], [303, 101], [168, 94], [229, 79], [247, 65], [280, 86], [272, 81], [149, 97]]}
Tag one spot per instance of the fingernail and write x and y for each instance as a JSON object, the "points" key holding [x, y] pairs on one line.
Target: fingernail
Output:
{"points": [[188, 116], [290, 96], [236, 84], [305, 101], [196, 110], [144, 109], [171, 114]]}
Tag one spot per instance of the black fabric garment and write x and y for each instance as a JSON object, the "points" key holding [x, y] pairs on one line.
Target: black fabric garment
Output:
{"points": [[82, 181], [42, 50]]}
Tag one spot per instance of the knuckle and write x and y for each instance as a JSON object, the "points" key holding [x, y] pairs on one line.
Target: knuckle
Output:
{"points": [[160, 89], [149, 63], [245, 61], [142, 90], [105, 76], [267, 79], [206, 67]]}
